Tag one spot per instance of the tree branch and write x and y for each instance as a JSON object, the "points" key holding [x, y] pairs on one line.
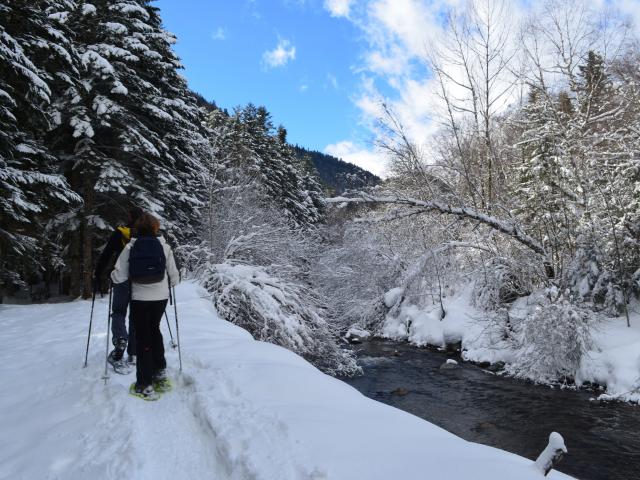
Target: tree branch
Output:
{"points": [[503, 226]]}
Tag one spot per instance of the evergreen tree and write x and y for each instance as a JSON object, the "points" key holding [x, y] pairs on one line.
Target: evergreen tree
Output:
{"points": [[545, 190], [31, 47], [264, 152], [131, 130]]}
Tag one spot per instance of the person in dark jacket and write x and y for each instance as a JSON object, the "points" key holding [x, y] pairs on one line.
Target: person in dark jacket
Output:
{"points": [[119, 337]]}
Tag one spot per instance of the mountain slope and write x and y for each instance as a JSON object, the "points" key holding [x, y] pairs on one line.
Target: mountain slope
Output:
{"points": [[337, 174]]}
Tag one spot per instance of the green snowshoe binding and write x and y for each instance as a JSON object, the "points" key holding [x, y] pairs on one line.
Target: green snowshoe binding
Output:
{"points": [[161, 382]]}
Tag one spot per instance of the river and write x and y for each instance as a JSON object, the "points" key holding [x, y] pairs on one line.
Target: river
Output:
{"points": [[603, 439]]}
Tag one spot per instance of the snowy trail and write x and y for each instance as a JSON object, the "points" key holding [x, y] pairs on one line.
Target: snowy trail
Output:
{"points": [[241, 410], [67, 417]]}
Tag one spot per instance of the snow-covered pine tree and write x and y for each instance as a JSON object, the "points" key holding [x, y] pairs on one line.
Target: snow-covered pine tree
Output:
{"points": [[545, 192], [132, 131], [31, 47], [281, 174], [626, 171]]}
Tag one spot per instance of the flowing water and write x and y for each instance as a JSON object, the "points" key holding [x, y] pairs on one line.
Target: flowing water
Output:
{"points": [[603, 439]]}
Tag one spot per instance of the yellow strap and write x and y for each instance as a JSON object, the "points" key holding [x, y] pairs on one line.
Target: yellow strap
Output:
{"points": [[126, 234]]}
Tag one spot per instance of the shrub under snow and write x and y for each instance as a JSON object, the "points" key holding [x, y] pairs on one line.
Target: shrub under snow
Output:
{"points": [[553, 340], [277, 311]]}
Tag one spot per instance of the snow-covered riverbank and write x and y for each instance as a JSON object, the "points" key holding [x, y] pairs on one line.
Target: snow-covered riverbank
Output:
{"points": [[613, 359], [241, 409]]}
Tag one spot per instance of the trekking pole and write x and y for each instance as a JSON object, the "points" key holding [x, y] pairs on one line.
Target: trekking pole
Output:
{"points": [[93, 301], [175, 310], [173, 344], [105, 377]]}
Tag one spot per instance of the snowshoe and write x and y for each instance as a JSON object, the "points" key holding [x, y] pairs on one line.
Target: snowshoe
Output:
{"points": [[145, 393], [120, 366]]}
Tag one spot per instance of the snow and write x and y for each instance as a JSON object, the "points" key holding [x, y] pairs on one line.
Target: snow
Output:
{"points": [[24, 148], [88, 9], [97, 61], [393, 296], [110, 51], [119, 88], [241, 409], [81, 127], [59, 17], [130, 8], [423, 326], [615, 362], [115, 27], [556, 444], [158, 112], [358, 332], [102, 105]]}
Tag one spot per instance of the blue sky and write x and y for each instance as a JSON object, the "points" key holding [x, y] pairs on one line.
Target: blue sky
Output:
{"points": [[224, 46], [323, 67]]}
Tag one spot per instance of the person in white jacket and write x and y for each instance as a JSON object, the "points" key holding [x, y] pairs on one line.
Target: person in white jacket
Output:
{"points": [[148, 303]]}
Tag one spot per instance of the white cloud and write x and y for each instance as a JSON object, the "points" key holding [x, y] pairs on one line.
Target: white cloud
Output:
{"points": [[358, 155], [219, 33], [632, 9], [399, 35], [279, 56], [303, 88], [338, 8]]}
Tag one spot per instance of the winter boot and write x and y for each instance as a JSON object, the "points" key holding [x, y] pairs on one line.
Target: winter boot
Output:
{"points": [[146, 393], [118, 352], [116, 359], [131, 359]]}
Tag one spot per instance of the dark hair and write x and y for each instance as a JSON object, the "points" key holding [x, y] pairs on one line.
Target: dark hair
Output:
{"points": [[147, 225], [135, 213]]}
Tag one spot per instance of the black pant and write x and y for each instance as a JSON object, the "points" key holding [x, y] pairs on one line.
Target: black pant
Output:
{"points": [[146, 318], [119, 306]]}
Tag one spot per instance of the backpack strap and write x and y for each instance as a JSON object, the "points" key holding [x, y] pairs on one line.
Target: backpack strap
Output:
{"points": [[126, 234]]}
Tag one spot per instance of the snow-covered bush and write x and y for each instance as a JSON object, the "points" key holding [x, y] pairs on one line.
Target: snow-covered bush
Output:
{"points": [[553, 339], [277, 311]]}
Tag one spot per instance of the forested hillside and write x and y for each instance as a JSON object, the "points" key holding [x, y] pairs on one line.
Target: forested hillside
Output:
{"points": [[335, 173]]}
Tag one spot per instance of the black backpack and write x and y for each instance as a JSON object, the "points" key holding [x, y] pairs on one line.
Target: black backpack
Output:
{"points": [[147, 263]]}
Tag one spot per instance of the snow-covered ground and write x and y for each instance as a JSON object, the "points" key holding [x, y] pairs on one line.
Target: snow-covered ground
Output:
{"points": [[241, 409], [613, 361]]}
